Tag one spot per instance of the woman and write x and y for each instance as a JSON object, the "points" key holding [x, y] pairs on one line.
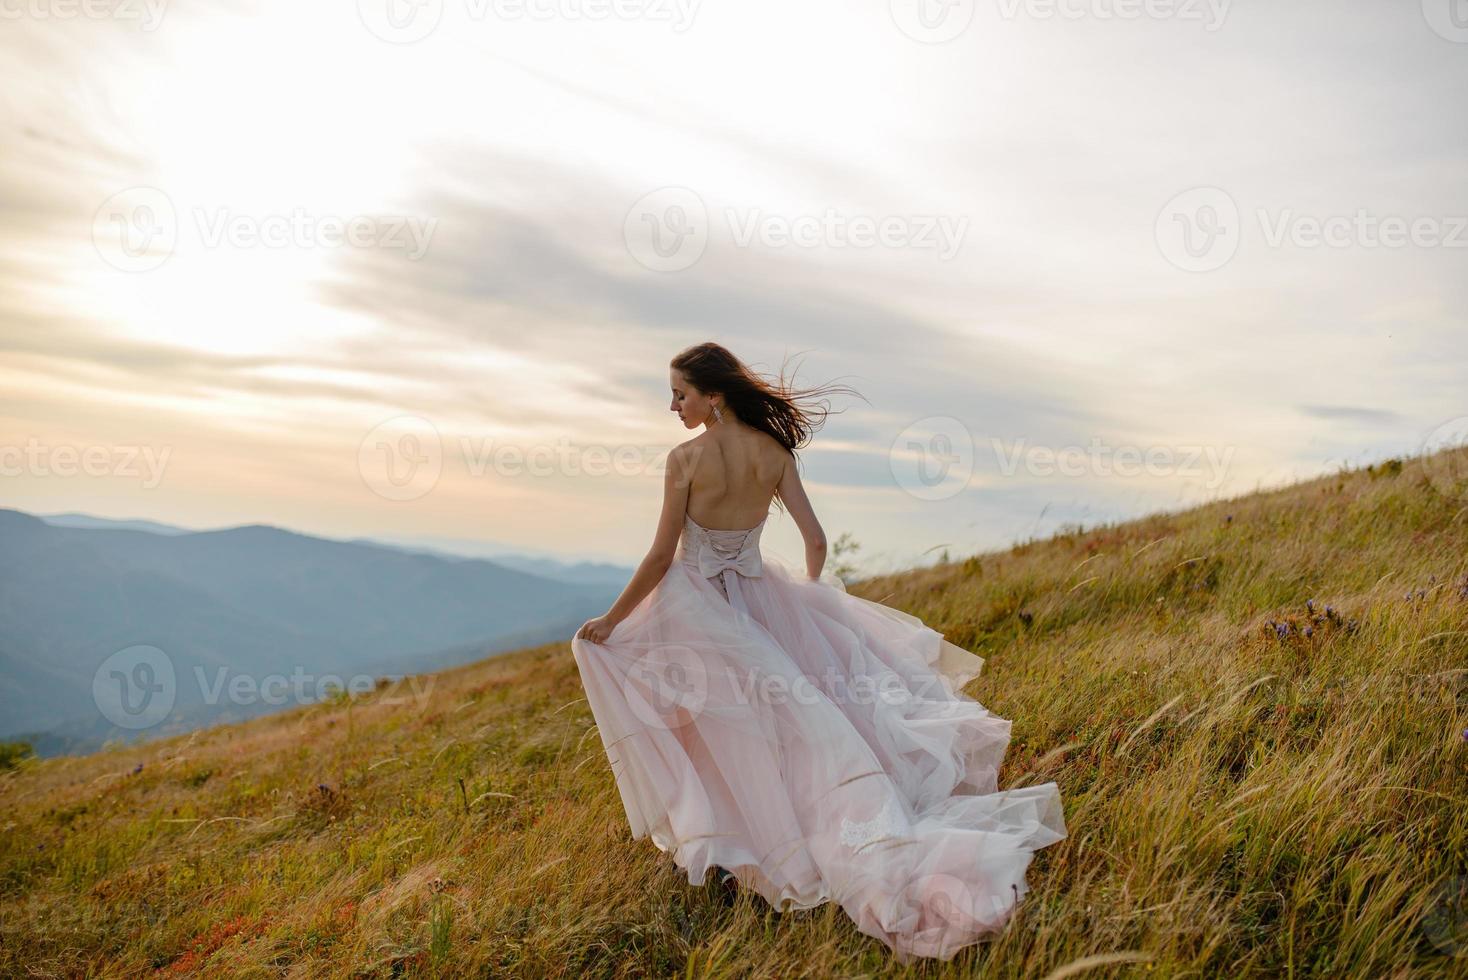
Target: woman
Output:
{"points": [[812, 742]]}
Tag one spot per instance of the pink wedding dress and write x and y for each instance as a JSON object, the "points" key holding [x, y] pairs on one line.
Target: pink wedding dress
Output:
{"points": [[815, 744]]}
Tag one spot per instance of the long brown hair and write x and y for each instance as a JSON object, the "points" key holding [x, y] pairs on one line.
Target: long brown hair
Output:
{"points": [[772, 406]]}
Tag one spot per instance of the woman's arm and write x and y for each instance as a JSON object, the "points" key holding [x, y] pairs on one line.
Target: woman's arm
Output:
{"points": [[792, 492], [676, 481]]}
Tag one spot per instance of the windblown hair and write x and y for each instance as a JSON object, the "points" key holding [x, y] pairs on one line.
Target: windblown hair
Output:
{"points": [[771, 405]]}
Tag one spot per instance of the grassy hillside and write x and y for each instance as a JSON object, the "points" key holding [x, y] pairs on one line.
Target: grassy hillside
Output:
{"points": [[1255, 710]]}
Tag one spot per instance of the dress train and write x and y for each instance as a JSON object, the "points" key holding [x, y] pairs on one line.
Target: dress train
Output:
{"points": [[817, 745]]}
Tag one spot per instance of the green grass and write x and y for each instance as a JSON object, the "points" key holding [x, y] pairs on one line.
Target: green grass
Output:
{"points": [[1239, 803]]}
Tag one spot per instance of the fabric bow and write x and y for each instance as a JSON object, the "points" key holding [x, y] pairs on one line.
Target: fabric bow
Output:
{"points": [[746, 563], [730, 567]]}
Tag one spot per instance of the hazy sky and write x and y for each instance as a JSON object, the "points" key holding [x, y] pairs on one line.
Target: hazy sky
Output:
{"points": [[317, 265]]}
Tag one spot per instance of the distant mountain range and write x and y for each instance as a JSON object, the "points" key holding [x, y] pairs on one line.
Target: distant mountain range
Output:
{"points": [[580, 573], [247, 603]]}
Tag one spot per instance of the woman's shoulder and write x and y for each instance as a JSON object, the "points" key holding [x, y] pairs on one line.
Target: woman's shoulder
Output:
{"points": [[766, 443], [777, 449]]}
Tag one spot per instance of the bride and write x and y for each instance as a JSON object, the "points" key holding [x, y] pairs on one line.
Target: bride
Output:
{"points": [[815, 744]]}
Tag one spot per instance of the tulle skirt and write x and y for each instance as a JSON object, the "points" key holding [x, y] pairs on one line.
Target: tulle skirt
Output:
{"points": [[816, 744]]}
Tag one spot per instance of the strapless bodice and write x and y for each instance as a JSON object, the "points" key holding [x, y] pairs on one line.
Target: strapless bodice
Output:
{"points": [[722, 555]]}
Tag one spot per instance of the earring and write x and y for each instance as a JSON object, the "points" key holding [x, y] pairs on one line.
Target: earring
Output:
{"points": [[718, 415]]}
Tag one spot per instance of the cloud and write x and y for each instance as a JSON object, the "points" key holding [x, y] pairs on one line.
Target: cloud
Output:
{"points": [[1352, 413], [1057, 140]]}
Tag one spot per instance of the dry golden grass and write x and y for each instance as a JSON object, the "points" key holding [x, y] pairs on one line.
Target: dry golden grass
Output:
{"points": [[1240, 803]]}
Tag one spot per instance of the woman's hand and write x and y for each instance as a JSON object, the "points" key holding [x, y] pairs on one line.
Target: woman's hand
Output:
{"points": [[596, 630]]}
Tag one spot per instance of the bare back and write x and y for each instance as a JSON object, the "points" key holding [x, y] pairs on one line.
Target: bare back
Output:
{"points": [[735, 475]]}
